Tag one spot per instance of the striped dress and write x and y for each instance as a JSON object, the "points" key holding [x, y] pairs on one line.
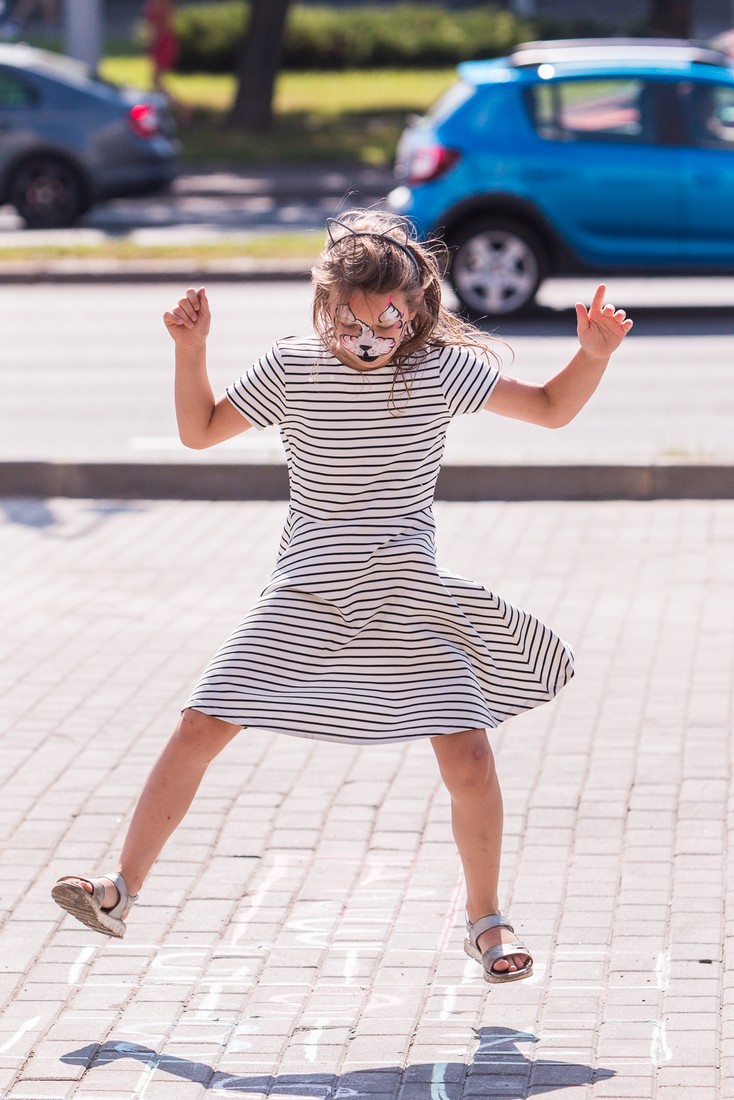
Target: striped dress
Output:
{"points": [[358, 635]]}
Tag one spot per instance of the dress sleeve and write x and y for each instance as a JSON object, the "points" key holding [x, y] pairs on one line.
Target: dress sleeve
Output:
{"points": [[260, 393], [467, 379]]}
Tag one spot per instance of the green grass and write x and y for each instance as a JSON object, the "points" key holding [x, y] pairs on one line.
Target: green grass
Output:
{"points": [[348, 116], [269, 246]]}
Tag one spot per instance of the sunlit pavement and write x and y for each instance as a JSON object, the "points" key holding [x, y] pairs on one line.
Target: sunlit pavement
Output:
{"points": [[301, 935]]}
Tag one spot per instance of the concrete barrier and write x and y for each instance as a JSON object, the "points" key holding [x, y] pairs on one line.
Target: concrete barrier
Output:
{"points": [[242, 481]]}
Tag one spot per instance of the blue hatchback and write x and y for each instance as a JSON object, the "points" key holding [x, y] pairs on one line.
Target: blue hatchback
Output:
{"points": [[597, 155]]}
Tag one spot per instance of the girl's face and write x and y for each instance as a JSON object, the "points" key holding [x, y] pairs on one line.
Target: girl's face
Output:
{"points": [[370, 327]]}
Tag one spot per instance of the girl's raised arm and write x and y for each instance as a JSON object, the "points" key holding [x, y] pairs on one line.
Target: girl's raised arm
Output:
{"points": [[601, 330], [202, 420]]}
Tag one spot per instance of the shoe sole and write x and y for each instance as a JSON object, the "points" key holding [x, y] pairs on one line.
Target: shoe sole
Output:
{"points": [[80, 904]]}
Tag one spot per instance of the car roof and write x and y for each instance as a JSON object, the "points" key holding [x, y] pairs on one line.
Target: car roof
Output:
{"points": [[587, 56], [19, 55], [654, 50]]}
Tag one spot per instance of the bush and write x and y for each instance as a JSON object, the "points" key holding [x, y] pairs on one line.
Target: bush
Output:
{"points": [[407, 35], [210, 37]]}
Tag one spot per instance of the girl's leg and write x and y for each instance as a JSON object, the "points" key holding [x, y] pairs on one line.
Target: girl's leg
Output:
{"points": [[467, 768], [168, 793]]}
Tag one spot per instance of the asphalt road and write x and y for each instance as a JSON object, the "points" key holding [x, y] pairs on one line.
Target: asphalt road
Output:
{"points": [[220, 202], [87, 373]]}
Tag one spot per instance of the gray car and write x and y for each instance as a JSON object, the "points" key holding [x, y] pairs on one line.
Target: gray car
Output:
{"points": [[69, 139]]}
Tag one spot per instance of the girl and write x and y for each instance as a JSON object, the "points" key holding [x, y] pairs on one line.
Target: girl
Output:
{"points": [[358, 636]]}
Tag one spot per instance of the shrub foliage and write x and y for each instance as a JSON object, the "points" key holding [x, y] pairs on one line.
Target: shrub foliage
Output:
{"points": [[322, 37]]}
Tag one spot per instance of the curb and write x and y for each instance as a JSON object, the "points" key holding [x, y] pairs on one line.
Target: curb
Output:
{"points": [[236, 481], [120, 271]]}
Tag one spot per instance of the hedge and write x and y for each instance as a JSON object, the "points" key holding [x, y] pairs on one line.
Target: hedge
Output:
{"points": [[407, 35]]}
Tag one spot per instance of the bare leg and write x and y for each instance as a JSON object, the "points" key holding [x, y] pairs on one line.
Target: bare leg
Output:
{"points": [[467, 768], [168, 793]]}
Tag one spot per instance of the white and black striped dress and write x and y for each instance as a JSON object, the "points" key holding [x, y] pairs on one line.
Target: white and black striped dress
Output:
{"points": [[358, 636]]}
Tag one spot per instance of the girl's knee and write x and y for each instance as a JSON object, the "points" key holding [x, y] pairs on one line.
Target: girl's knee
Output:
{"points": [[465, 760], [203, 733]]}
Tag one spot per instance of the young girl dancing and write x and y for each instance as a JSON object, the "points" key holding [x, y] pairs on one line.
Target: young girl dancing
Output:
{"points": [[358, 636]]}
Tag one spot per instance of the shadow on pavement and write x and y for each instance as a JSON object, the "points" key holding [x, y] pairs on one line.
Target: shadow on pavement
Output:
{"points": [[40, 514], [649, 321], [497, 1068]]}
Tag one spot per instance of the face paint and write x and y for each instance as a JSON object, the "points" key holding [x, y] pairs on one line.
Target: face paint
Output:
{"points": [[367, 345]]}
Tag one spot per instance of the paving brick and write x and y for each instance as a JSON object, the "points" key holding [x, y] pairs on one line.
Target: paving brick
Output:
{"points": [[300, 909]]}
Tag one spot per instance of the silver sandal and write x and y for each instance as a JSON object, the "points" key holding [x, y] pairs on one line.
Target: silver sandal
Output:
{"points": [[493, 954], [88, 908]]}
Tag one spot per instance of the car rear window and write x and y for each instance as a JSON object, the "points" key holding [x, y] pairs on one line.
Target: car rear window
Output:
{"points": [[450, 101], [607, 109]]}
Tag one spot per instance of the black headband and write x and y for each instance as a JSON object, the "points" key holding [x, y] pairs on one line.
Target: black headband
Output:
{"points": [[330, 222]]}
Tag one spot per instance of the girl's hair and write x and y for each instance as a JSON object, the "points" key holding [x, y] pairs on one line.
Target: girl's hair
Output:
{"points": [[378, 253]]}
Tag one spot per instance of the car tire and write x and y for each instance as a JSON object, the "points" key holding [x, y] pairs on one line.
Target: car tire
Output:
{"points": [[496, 267], [48, 192]]}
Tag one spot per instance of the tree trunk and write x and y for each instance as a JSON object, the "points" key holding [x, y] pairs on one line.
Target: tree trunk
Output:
{"points": [[252, 109], [670, 18]]}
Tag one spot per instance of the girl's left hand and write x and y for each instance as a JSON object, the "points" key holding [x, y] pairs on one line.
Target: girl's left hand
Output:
{"points": [[602, 328]]}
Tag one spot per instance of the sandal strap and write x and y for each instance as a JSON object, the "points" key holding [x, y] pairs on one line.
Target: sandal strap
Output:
{"points": [[503, 951], [126, 900], [484, 924]]}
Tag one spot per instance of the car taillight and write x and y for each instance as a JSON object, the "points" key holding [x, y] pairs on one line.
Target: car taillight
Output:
{"points": [[430, 162], [143, 120]]}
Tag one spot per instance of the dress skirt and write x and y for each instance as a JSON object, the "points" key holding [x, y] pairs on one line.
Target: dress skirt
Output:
{"points": [[360, 637]]}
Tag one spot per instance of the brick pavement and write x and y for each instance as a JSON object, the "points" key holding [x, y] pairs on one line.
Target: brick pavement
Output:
{"points": [[301, 935]]}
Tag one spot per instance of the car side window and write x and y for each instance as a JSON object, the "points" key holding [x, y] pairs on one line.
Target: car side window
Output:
{"points": [[13, 91], [614, 109], [708, 112]]}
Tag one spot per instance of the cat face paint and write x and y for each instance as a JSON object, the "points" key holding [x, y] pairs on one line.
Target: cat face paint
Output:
{"points": [[369, 327]]}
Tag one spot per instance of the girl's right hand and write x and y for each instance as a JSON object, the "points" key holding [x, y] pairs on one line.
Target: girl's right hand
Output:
{"points": [[189, 321]]}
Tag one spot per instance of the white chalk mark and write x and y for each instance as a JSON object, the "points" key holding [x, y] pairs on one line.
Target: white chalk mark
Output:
{"points": [[659, 1050], [27, 1026], [210, 1002], [145, 1078], [313, 1038], [76, 968], [256, 902], [450, 996], [449, 1002], [379, 870], [351, 965], [438, 1082], [662, 970]]}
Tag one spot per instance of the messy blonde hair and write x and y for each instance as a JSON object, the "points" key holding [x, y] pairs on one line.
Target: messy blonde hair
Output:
{"points": [[378, 253]]}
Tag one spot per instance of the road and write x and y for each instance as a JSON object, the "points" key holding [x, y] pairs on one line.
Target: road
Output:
{"points": [[87, 373], [219, 202]]}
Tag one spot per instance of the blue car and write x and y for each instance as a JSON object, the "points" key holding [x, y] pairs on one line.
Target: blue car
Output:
{"points": [[603, 155]]}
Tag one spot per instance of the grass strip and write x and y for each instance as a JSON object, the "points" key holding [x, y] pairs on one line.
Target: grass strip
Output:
{"points": [[266, 246]]}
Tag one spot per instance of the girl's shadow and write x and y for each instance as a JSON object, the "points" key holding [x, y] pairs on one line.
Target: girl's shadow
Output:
{"points": [[497, 1068]]}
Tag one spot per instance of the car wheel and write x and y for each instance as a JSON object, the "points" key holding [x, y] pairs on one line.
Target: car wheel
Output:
{"points": [[496, 267], [47, 192]]}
